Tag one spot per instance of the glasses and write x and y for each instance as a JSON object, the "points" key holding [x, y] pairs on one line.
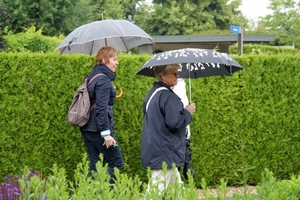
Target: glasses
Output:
{"points": [[175, 74]]}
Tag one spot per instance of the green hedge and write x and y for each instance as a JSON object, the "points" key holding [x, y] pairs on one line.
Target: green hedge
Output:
{"points": [[243, 123], [262, 49]]}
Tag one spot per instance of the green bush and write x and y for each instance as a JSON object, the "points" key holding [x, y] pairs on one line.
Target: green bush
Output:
{"points": [[246, 122], [56, 186], [31, 41], [262, 49]]}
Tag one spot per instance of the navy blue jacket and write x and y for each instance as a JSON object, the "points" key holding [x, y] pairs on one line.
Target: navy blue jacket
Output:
{"points": [[163, 133], [102, 93]]}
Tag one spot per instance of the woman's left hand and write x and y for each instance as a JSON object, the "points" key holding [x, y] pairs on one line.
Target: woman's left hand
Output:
{"points": [[109, 141]]}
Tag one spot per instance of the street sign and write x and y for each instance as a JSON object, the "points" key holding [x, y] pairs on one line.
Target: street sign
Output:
{"points": [[238, 30], [235, 29]]}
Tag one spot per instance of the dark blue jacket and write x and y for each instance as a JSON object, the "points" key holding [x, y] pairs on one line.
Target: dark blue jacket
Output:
{"points": [[102, 93], [163, 133]]}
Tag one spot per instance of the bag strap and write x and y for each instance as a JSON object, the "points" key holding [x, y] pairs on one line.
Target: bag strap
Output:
{"points": [[94, 78], [87, 84], [157, 90]]}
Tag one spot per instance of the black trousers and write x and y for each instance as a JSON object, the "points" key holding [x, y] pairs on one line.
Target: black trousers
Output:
{"points": [[188, 160], [111, 156]]}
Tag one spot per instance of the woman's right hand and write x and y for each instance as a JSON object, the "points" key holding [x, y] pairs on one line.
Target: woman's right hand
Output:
{"points": [[109, 141], [191, 107]]}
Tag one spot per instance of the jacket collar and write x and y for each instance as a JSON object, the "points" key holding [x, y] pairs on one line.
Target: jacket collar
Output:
{"points": [[102, 68], [160, 84]]}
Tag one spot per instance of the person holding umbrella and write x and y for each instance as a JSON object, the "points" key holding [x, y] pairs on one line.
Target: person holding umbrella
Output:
{"points": [[98, 134], [164, 125]]}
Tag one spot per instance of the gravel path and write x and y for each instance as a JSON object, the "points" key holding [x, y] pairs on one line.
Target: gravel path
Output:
{"points": [[231, 191]]}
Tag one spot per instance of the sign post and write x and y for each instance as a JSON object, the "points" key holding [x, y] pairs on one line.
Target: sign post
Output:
{"points": [[238, 30]]}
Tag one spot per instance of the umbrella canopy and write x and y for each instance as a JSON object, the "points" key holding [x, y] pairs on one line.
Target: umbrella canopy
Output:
{"points": [[195, 63], [89, 38]]}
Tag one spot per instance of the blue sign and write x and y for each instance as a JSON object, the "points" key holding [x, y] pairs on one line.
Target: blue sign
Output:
{"points": [[235, 29]]}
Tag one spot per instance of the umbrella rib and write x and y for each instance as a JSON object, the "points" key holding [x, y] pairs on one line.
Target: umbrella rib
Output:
{"points": [[118, 27], [124, 43], [64, 48], [92, 48]]}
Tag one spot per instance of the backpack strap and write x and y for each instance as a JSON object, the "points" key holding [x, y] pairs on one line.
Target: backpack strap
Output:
{"points": [[87, 84], [158, 89], [100, 74]]}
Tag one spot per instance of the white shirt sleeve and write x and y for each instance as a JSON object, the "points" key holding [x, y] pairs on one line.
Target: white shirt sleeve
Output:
{"points": [[180, 91]]}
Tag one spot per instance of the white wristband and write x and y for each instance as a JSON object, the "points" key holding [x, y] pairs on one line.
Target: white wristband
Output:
{"points": [[105, 133]]}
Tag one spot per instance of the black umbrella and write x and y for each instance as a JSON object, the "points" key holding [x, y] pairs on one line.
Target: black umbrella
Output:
{"points": [[195, 63]]}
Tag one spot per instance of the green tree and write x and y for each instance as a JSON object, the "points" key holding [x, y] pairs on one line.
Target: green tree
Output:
{"points": [[284, 21], [53, 16], [169, 17], [114, 9], [4, 21]]}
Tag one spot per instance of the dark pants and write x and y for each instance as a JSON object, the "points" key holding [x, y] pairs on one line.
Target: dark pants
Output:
{"points": [[111, 156], [188, 161]]}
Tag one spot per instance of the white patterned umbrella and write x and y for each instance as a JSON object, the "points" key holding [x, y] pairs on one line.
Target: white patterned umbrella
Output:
{"points": [[195, 63]]}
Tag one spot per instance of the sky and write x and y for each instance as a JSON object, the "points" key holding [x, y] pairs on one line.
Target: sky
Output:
{"points": [[253, 9]]}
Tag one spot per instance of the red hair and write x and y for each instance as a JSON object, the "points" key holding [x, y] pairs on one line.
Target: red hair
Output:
{"points": [[105, 53]]}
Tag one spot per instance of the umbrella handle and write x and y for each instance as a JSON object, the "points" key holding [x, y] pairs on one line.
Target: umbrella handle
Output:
{"points": [[120, 93]]}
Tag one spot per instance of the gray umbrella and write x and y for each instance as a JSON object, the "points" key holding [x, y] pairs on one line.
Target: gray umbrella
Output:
{"points": [[89, 38], [195, 63]]}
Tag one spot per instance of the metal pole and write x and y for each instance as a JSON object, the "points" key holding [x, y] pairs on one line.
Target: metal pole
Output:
{"points": [[240, 41], [190, 87]]}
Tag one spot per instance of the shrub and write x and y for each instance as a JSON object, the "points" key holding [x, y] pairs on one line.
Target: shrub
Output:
{"points": [[262, 49], [31, 41], [56, 186], [32, 186], [11, 188]]}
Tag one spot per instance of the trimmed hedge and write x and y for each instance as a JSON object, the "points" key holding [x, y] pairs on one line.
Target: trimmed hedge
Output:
{"points": [[243, 123], [262, 49]]}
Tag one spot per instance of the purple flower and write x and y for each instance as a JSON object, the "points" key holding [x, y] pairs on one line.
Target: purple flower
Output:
{"points": [[10, 194]]}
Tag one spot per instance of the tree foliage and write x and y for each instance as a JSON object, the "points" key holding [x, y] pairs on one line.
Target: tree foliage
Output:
{"points": [[62, 16], [169, 17], [161, 17], [113, 9], [4, 20], [54, 16], [284, 21]]}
